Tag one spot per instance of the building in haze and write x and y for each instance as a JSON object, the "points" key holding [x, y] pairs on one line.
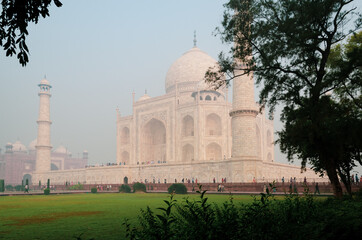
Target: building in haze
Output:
{"points": [[17, 163], [190, 132]]}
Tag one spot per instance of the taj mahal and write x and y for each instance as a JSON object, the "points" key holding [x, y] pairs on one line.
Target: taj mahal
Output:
{"points": [[192, 131]]}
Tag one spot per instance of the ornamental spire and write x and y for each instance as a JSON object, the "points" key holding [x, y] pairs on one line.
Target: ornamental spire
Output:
{"points": [[195, 41]]}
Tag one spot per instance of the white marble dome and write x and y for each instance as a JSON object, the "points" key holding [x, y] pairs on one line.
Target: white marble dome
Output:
{"points": [[19, 147], [61, 149], [32, 145], [144, 97], [190, 67]]}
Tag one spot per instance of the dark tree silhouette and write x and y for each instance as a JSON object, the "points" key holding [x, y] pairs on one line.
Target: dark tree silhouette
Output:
{"points": [[14, 20], [288, 44]]}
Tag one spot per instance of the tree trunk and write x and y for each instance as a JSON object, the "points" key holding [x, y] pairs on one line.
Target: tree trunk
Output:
{"points": [[333, 177]]}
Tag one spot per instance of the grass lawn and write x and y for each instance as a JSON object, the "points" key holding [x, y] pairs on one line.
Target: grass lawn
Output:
{"points": [[95, 216]]}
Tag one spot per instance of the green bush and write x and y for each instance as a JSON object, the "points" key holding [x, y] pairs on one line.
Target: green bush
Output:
{"points": [[2, 185], [9, 188], [46, 191], [294, 217], [19, 188], [93, 190], [177, 188], [77, 187], [125, 188], [139, 187]]}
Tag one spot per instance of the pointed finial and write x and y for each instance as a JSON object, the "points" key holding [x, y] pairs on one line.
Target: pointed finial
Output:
{"points": [[45, 76], [145, 91], [195, 38]]}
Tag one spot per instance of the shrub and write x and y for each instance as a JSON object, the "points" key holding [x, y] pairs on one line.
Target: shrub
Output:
{"points": [[139, 187], [77, 187], [125, 188], [46, 191], [19, 188], [93, 190], [2, 185], [177, 188], [9, 187]]}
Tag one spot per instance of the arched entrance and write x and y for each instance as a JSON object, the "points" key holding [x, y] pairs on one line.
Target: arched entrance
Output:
{"points": [[213, 152], [27, 179], [153, 142], [187, 153]]}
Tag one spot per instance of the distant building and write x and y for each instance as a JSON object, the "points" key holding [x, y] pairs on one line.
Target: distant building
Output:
{"points": [[18, 161]]}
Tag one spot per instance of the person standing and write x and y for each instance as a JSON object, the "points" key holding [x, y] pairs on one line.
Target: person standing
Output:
{"points": [[316, 189]]}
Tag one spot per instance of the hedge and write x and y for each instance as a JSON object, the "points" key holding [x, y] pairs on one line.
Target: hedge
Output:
{"points": [[139, 187], [177, 188], [125, 188]]}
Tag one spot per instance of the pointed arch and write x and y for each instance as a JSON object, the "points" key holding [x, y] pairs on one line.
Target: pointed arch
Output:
{"points": [[125, 137], [153, 141], [213, 125], [125, 158], [187, 126], [187, 153], [258, 141], [268, 139], [213, 152]]}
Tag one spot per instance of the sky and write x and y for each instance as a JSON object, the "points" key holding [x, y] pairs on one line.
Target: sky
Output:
{"points": [[94, 54]]}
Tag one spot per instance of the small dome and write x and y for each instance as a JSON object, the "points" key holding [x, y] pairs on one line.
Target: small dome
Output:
{"points": [[144, 97], [61, 149], [19, 147], [32, 145], [190, 67], [44, 82]]}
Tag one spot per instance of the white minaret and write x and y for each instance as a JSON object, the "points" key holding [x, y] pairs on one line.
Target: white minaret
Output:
{"points": [[243, 113], [43, 146]]}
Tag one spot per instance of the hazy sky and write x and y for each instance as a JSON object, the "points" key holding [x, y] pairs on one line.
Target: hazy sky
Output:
{"points": [[94, 54]]}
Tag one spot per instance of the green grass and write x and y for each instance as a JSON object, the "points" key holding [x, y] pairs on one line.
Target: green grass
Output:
{"points": [[95, 216]]}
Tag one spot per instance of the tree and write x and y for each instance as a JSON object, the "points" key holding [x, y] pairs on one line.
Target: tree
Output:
{"points": [[291, 43], [14, 20]]}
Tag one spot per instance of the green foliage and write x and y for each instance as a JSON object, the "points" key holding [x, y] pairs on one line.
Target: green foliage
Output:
{"points": [[19, 188], [177, 188], [139, 187], [46, 191], [93, 190], [124, 188], [9, 187], [265, 218], [15, 17], [77, 186], [295, 57], [2, 185]]}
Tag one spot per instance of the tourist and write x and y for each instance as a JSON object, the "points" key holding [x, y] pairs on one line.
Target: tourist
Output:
{"points": [[214, 180], [222, 180], [305, 180], [193, 181], [183, 180], [26, 188], [225, 180], [360, 179], [175, 180], [352, 178], [283, 179], [254, 181], [356, 178], [316, 189]]}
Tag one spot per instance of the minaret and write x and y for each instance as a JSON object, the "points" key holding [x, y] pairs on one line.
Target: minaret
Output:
{"points": [[43, 146], [243, 113]]}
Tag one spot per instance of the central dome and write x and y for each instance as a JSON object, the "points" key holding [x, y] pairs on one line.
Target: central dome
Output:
{"points": [[189, 68]]}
